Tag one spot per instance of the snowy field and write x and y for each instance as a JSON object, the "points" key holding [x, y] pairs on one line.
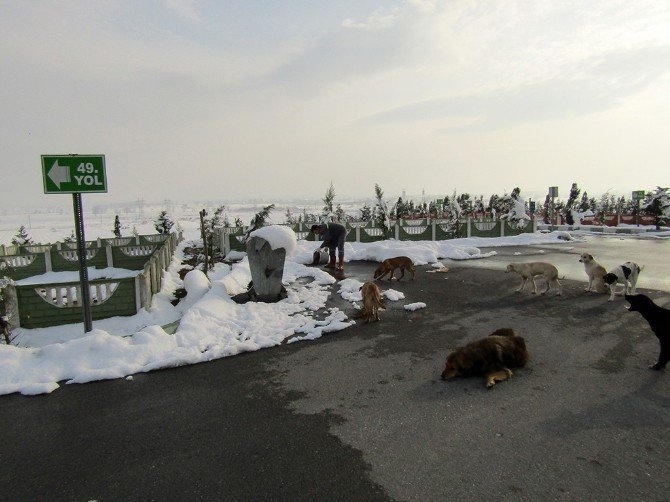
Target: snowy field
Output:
{"points": [[55, 223], [211, 325]]}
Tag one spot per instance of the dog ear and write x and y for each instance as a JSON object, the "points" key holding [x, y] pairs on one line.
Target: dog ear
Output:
{"points": [[461, 362]]}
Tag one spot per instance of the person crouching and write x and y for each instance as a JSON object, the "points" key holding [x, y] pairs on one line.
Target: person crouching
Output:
{"points": [[333, 235]]}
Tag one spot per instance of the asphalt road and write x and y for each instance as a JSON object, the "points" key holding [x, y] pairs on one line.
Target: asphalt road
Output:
{"points": [[362, 414]]}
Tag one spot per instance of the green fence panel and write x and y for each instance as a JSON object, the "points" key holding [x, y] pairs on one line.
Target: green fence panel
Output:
{"points": [[154, 239], [68, 259], [34, 248], [25, 265], [55, 304], [370, 233], [444, 231], [485, 228], [118, 241], [133, 257], [236, 244], [412, 223], [72, 246], [511, 230], [351, 232], [421, 232], [9, 250]]}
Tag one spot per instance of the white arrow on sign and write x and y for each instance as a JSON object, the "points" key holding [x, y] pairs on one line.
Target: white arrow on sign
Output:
{"points": [[59, 174]]}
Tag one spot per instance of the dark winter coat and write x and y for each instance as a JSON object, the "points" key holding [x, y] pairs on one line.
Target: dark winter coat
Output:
{"points": [[333, 235]]}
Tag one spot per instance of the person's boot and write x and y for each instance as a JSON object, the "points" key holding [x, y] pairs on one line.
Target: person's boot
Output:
{"points": [[340, 264], [331, 263]]}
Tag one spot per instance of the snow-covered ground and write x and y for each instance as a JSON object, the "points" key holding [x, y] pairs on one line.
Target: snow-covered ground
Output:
{"points": [[211, 325]]}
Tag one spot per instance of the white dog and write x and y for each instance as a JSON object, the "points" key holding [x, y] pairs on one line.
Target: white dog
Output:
{"points": [[532, 269], [595, 271], [625, 274]]}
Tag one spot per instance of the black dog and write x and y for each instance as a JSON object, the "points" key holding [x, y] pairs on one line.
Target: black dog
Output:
{"points": [[659, 320]]}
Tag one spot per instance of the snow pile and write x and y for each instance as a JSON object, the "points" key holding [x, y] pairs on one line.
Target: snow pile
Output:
{"points": [[278, 236], [420, 252], [393, 295], [415, 306], [517, 209], [350, 290], [196, 285]]}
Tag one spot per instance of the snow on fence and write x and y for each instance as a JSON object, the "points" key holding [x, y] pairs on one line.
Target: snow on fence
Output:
{"points": [[50, 304], [27, 261], [232, 238]]}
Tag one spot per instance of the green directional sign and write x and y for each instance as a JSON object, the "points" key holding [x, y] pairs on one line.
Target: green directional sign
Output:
{"points": [[74, 174], [638, 195]]}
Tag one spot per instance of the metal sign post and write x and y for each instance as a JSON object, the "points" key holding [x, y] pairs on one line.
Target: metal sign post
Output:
{"points": [[76, 174], [553, 193], [83, 270], [638, 195]]}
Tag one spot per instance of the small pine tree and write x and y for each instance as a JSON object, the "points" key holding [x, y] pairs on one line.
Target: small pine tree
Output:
{"points": [[209, 225], [327, 213], [366, 213], [117, 226], [22, 238], [289, 217], [464, 201], [584, 204], [494, 203], [259, 220], [620, 205], [381, 212], [603, 208], [339, 214], [546, 209], [658, 206], [163, 224], [570, 205], [432, 210], [479, 205]]}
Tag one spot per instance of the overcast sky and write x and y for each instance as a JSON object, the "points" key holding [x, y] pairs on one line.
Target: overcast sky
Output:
{"points": [[229, 99]]}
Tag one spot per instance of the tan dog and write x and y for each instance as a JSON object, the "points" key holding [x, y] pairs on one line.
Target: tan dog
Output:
{"points": [[390, 264], [490, 356], [372, 301], [596, 273], [531, 270]]}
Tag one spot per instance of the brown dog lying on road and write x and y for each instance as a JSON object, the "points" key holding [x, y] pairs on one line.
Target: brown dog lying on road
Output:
{"points": [[490, 356], [372, 301], [390, 264]]}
